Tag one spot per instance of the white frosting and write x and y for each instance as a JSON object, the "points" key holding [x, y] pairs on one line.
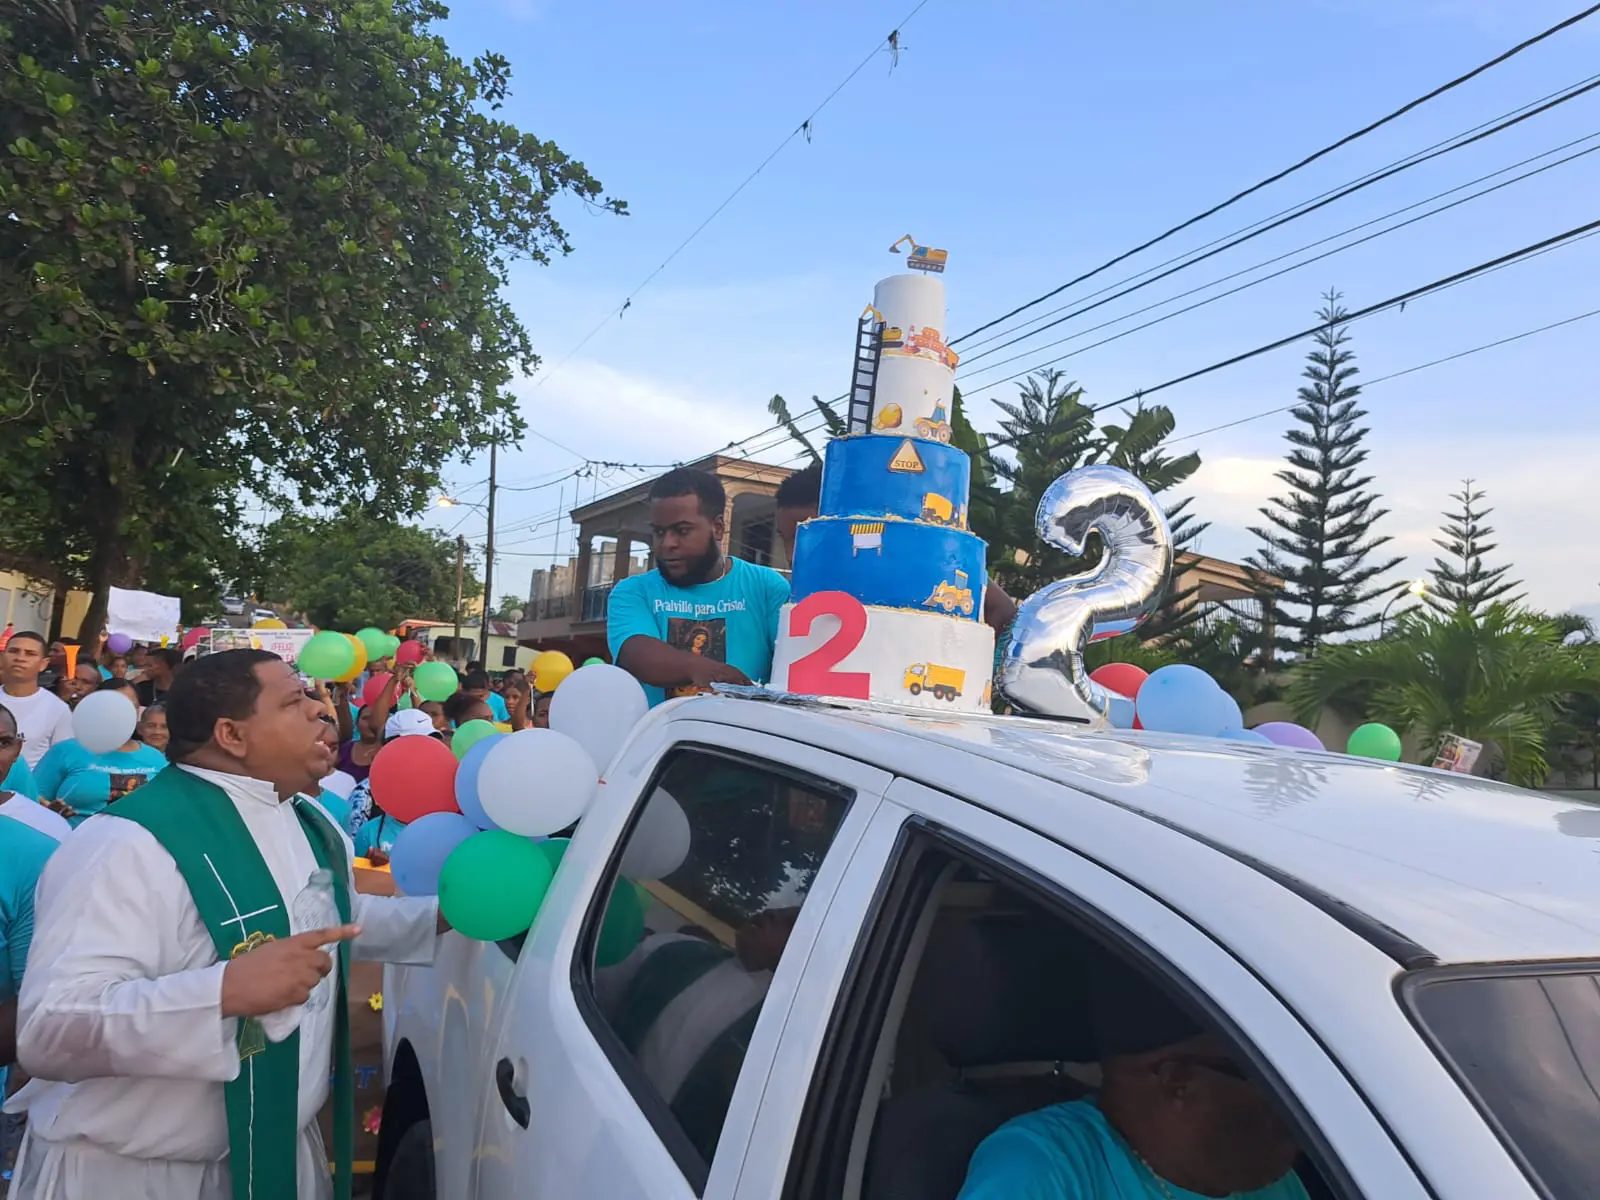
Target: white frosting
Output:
{"points": [[916, 372], [956, 658]]}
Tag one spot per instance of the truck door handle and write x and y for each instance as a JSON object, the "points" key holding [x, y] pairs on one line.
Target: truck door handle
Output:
{"points": [[505, 1077]]}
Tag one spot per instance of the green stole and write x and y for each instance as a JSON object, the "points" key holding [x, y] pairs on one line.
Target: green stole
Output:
{"points": [[197, 823]]}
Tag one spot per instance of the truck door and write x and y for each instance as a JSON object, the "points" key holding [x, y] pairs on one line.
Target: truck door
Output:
{"points": [[636, 1070]]}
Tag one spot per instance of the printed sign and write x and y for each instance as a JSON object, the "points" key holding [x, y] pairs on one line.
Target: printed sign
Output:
{"points": [[285, 643], [1457, 754]]}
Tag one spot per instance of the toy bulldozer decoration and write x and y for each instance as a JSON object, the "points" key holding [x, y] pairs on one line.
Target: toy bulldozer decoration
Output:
{"points": [[922, 258]]}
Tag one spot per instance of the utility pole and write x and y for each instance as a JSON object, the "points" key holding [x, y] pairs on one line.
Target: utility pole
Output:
{"points": [[488, 568], [461, 563]]}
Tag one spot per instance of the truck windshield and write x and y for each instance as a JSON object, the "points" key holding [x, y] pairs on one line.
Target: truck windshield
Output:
{"points": [[1524, 1041]]}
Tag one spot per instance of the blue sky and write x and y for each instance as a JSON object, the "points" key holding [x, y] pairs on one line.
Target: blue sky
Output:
{"points": [[1035, 140]]}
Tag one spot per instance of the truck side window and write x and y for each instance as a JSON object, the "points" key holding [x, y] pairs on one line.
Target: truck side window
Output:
{"points": [[721, 855]]}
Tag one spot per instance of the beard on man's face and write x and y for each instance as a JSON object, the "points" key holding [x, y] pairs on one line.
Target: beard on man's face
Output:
{"points": [[690, 572]]}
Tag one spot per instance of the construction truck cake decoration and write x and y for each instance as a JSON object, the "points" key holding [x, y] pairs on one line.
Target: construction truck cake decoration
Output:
{"points": [[888, 582]]}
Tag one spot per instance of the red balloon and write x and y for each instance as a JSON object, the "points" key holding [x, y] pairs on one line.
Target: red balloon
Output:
{"points": [[414, 776], [409, 654], [374, 688], [1125, 679]]}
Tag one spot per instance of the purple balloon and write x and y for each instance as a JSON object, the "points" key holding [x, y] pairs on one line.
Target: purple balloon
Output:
{"points": [[119, 643], [1286, 733]]}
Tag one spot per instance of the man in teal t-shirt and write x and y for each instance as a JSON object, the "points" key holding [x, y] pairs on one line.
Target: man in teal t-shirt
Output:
{"points": [[1176, 1118], [701, 617], [87, 783], [23, 852]]}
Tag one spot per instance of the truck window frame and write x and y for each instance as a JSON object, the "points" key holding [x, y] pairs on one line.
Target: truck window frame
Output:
{"points": [[655, 1107], [824, 1138]]}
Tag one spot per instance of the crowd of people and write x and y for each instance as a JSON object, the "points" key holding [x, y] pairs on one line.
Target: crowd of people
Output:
{"points": [[118, 965]]}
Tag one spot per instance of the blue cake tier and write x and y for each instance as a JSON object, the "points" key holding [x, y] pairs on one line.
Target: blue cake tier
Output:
{"points": [[893, 564], [910, 479]]}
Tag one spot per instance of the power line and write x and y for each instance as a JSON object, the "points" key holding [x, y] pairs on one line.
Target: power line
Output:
{"points": [[1505, 341], [1392, 302], [1292, 267], [998, 334], [803, 129], [1304, 162], [1295, 216]]}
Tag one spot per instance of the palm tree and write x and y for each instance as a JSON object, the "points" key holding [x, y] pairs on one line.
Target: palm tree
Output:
{"points": [[1503, 678]]}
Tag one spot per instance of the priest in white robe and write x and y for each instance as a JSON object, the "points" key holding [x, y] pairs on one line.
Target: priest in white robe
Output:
{"points": [[130, 1019]]}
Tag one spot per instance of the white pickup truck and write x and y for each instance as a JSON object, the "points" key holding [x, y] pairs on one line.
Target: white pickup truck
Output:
{"points": [[871, 950]]}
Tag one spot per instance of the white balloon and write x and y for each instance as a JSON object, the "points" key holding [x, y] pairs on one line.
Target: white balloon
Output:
{"points": [[598, 706], [103, 721], [536, 781], [660, 841]]}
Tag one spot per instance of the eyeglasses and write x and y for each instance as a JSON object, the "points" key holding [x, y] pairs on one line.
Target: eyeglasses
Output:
{"points": [[9, 741]]}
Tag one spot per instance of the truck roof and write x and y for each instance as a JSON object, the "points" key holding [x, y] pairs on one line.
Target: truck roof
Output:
{"points": [[1468, 869]]}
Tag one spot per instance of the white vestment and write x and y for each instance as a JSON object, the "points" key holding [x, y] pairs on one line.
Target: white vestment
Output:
{"points": [[120, 1016]]}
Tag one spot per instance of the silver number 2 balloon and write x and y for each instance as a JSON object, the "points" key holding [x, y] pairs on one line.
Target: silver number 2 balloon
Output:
{"points": [[1042, 670]]}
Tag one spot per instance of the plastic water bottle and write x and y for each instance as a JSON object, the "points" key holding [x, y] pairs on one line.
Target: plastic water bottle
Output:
{"points": [[316, 908]]}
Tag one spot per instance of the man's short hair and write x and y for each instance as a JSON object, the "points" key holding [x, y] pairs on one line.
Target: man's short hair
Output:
{"points": [[29, 635], [8, 717], [803, 489], [218, 686], [686, 481], [173, 658], [115, 685], [69, 641], [476, 681]]}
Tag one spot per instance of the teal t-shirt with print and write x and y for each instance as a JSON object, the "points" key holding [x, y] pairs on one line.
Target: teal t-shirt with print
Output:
{"points": [[20, 779], [1070, 1152], [379, 833], [733, 620], [23, 851], [87, 782]]}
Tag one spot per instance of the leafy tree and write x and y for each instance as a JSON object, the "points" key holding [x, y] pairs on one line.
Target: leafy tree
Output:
{"points": [[250, 244], [1050, 431], [1502, 678], [508, 605], [1319, 535], [833, 425], [355, 569], [1461, 579]]}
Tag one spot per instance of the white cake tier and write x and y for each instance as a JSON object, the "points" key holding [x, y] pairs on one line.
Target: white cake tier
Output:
{"points": [[830, 644], [916, 371]]}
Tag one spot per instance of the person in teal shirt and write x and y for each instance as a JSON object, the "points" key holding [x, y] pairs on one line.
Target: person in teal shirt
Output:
{"points": [[701, 617], [23, 851], [20, 778], [378, 833], [87, 783], [1176, 1118]]}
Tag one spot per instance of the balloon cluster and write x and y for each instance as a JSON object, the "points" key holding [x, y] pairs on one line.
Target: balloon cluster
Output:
{"points": [[480, 812], [1184, 699], [342, 657]]}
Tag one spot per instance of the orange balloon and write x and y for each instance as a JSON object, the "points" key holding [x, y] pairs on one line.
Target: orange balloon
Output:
{"points": [[360, 663]]}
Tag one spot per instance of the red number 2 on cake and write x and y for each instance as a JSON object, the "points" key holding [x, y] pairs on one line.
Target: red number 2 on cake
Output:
{"points": [[813, 674]]}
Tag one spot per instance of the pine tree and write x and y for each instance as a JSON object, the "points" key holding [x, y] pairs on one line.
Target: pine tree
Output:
{"points": [[1461, 580], [1319, 538]]}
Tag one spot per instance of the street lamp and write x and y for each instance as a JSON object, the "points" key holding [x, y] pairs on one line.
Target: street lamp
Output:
{"points": [[1416, 589]]}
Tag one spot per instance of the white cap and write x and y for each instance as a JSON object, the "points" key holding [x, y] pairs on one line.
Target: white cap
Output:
{"points": [[408, 722]]}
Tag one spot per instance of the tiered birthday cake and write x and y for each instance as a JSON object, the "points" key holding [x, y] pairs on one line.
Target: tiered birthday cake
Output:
{"points": [[888, 584]]}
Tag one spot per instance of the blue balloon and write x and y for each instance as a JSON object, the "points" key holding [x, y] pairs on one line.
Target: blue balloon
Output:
{"points": [[467, 782], [1227, 714], [1181, 699], [1245, 735], [1120, 712], [420, 850]]}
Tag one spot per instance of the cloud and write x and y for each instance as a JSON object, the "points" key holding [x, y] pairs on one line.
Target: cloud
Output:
{"points": [[1540, 486]]}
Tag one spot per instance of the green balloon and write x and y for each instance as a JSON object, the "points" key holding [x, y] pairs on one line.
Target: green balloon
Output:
{"points": [[375, 640], [405, 701], [391, 646], [328, 655], [436, 680], [589, 662], [491, 886], [1374, 741], [469, 735], [623, 925]]}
